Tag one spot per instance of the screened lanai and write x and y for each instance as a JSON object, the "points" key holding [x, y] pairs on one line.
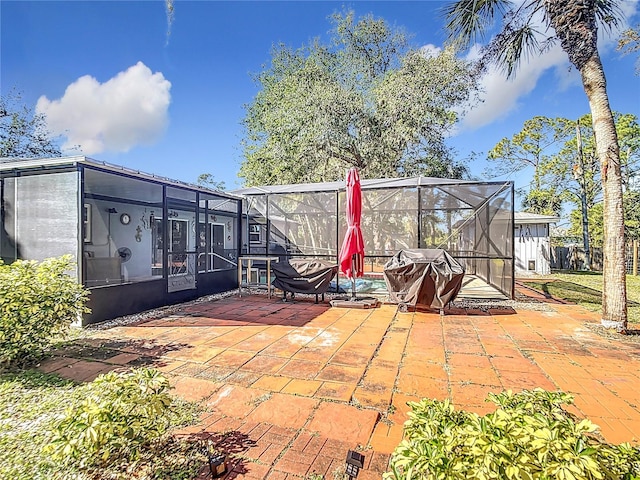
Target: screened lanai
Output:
{"points": [[473, 221], [139, 241]]}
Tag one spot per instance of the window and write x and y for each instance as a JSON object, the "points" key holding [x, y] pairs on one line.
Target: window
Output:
{"points": [[120, 229], [254, 233], [86, 222]]}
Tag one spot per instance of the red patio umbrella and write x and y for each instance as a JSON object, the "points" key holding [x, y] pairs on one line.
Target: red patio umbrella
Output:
{"points": [[352, 251]]}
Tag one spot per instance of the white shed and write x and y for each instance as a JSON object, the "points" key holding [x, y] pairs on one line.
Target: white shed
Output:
{"points": [[532, 243]]}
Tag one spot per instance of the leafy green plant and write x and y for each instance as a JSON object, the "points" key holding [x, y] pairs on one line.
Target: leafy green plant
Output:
{"points": [[32, 406], [38, 302], [125, 413], [528, 436]]}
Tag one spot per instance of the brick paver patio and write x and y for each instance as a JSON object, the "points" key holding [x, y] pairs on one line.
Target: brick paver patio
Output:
{"points": [[290, 387]]}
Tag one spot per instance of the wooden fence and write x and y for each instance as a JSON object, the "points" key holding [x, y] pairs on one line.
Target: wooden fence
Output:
{"points": [[573, 258]]}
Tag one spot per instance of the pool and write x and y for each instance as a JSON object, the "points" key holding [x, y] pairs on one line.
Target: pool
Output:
{"points": [[373, 286]]}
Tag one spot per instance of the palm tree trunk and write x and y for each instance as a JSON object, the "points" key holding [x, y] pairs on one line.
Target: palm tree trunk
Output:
{"points": [[614, 292]]}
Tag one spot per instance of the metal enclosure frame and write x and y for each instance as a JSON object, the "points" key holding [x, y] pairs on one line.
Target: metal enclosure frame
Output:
{"points": [[473, 221], [46, 204], [111, 220]]}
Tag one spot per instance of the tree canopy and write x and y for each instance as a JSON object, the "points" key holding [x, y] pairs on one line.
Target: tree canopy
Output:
{"points": [[534, 146], [23, 133], [365, 99], [563, 170], [596, 220], [629, 42], [566, 171], [209, 180]]}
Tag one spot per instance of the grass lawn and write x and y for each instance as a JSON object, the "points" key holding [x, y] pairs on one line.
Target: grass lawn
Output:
{"points": [[31, 401], [585, 288]]}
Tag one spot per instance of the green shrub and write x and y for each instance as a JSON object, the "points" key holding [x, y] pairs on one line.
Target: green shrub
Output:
{"points": [[32, 407], [38, 302], [529, 436], [123, 413]]}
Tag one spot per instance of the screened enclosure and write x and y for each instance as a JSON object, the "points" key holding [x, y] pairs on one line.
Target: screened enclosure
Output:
{"points": [[473, 221], [142, 241], [139, 240]]}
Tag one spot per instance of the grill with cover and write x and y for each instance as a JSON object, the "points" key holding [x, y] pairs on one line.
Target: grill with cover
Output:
{"points": [[304, 276], [428, 277]]}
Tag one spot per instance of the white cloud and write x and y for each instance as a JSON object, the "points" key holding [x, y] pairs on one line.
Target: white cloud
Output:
{"points": [[430, 50], [127, 110], [501, 95]]}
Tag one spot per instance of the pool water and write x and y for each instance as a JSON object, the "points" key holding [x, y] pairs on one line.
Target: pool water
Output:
{"points": [[375, 286]]}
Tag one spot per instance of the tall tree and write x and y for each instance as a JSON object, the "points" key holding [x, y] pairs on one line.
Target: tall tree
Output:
{"points": [[629, 42], [579, 167], [565, 167], [209, 181], [533, 147], [575, 25], [366, 99], [23, 133]]}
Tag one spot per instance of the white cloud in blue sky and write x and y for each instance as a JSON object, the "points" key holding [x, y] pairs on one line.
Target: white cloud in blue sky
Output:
{"points": [[127, 110], [500, 96], [430, 50]]}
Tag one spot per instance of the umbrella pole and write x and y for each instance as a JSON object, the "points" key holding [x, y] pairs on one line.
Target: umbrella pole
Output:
{"points": [[353, 278]]}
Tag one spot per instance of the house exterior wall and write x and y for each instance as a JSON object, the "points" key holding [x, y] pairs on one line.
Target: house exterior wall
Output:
{"points": [[130, 298], [532, 249]]}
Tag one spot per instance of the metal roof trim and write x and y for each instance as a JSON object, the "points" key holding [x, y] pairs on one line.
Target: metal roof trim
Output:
{"points": [[43, 163], [526, 217], [366, 184]]}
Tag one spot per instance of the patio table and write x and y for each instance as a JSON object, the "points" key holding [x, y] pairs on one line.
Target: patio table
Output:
{"points": [[248, 261]]}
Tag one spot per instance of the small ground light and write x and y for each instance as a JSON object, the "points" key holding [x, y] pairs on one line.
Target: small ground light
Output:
{"points": [[217, 460], [354, 462]]}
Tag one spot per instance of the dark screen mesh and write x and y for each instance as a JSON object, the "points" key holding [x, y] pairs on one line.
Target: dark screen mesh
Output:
{"points": [[473, 221]]}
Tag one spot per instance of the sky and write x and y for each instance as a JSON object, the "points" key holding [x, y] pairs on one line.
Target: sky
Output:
{"points": [[111, 79]]}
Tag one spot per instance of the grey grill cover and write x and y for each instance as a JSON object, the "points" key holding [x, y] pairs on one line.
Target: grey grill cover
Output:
{"points": [[429, 277], [304, 276]]}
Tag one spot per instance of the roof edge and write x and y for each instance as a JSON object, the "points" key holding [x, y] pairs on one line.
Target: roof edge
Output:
{"points": [[366, 184], [41, 163]]}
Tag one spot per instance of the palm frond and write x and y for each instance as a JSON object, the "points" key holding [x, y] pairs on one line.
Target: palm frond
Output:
{"points": [[469, 20], [512, 45], [608, 13]]}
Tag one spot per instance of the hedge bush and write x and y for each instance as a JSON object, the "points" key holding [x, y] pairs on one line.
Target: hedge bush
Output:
{"points": [[34, 406], [38, 302], [123, 413], [529, 436]]}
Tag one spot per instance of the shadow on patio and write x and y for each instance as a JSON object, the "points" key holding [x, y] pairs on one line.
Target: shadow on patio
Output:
{"points": [[302, 383]]}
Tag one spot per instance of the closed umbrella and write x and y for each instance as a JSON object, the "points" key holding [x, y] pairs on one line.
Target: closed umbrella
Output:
{"points": [[352, 251]]}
